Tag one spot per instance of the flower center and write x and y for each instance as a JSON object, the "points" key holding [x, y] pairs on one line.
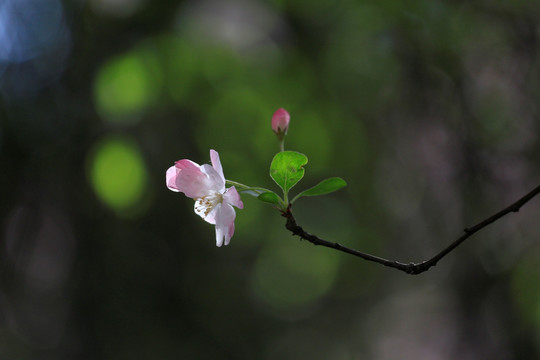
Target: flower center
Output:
{"points": [[205, 204]]}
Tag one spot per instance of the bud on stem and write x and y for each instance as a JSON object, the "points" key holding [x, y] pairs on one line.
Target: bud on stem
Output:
{"points": [[280, 125]]}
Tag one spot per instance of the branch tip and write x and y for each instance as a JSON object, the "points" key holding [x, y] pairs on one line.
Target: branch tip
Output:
{"points": [[411, 268]]}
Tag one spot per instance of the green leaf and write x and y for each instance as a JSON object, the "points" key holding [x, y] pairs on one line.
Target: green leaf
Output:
{"points": [[287, 169], [324, 187], [271, 197]]}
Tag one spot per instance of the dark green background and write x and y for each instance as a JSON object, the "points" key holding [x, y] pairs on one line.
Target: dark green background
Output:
{"points": [[428, 109]]}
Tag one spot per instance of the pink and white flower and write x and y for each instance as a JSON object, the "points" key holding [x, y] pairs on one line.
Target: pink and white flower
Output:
{"points": [[206, 185]]}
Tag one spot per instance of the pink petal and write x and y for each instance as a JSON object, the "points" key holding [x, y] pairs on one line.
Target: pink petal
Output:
{"points": [[186, 164], [231, 233], [216, 163], [225, 216], [173, 172], [280, 121], [170, 178], [232, 197], [192, 182]]}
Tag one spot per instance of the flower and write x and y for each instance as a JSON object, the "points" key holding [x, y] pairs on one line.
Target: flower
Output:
{"points": [[206, 185], [280, 122]]}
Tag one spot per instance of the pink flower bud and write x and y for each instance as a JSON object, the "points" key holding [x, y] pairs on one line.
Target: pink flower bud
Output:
{"points": [[280, 121]]}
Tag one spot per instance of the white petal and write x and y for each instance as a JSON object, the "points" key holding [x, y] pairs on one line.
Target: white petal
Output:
{"points": [[199, 209], [215, 181], [216, 163], [219, 236], [211, 217], [225, 216], [232, 197]]}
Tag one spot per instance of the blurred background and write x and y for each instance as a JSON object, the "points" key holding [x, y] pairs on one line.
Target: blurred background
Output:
{"points": [[428, 109]]}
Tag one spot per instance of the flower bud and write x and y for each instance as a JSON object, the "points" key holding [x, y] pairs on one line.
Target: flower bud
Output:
{"points": [[280, 122]]}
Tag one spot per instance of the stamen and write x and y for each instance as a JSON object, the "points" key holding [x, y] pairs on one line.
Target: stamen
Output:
{"points": [[208, 202]]}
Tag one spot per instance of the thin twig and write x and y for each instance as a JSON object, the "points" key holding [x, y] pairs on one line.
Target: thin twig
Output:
{"points": [[411, 268]]}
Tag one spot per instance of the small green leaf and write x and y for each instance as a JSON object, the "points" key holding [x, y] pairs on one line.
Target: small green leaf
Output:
{"points": [[324, 187], [270, 197], [287, 169]]}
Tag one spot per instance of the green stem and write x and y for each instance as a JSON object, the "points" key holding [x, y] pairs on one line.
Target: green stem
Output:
{"points": [[256, 191], [285, 198], [296, 197], [242, 187]]}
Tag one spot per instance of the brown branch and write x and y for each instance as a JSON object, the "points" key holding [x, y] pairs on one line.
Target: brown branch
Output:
{"points": [[411, 268]]}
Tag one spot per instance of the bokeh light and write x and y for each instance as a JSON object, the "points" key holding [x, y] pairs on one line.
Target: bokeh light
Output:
{"points": [[34, 45], [239, 24], [125, 86], [289, 277], [116, 8], [526, 289], [28, 28], [118, 174]]}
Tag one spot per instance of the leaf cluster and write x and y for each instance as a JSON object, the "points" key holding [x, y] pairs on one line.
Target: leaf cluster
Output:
{"points": [[287, 169]]}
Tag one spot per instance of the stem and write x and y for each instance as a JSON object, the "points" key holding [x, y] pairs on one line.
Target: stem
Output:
{"points": [[282, 145], [242, 187], [411, 268]]}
